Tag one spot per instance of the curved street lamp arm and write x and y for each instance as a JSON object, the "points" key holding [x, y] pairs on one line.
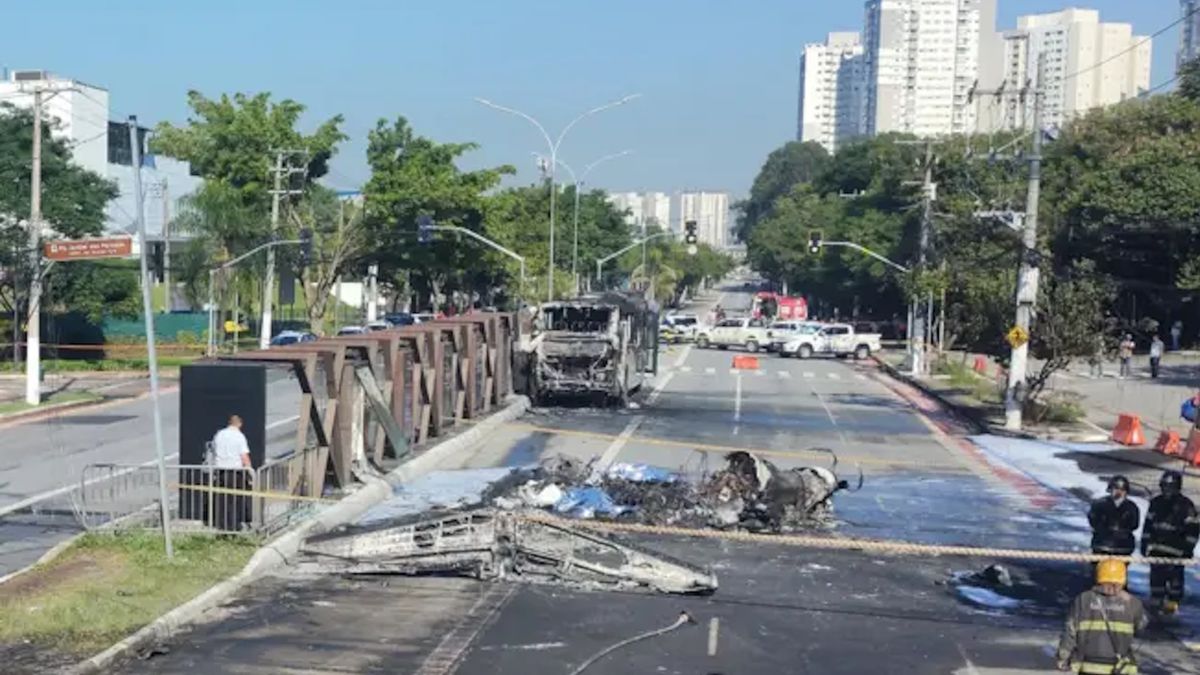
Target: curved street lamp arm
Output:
{"points": [[518, 113], [593, 111]]}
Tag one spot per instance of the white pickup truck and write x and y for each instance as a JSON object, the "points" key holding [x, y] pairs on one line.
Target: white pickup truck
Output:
{"points": [[837, 339], [744, 332]]}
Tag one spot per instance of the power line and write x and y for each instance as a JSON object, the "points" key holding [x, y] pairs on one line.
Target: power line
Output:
{"points": [[1137, 45]]}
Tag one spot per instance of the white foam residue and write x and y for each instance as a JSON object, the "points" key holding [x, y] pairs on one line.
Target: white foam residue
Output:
{"points": [[437, 489], [987, 598]]}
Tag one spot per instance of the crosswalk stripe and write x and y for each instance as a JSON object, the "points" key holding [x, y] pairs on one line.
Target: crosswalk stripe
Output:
{"points": [[860, 376], [834, 376], [733, 371], [759, 373], [784, 374], [809, 375], [685, 369], [710, 371]]}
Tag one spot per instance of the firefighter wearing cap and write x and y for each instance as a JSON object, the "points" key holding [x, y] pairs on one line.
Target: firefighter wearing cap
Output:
{"points": [[1114, 519], [1098, 637], [1171, 529]]}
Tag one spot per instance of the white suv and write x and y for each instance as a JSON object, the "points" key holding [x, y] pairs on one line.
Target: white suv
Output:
{"points": [[744, 332], [781, 332]]}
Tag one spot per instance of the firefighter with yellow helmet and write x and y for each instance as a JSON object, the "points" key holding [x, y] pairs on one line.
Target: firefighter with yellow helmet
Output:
{"points": [[1098, 637]]}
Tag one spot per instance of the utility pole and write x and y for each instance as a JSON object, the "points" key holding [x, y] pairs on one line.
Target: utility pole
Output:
{"points": [[1027, 273], [151, 354], [33, 339], [919, 319], [264, 329], [1026, 224], [372, 292], [168, 302]]}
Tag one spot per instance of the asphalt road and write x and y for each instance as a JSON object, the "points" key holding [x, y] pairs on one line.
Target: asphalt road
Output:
{"points": [[779, 609], [40, 460]]}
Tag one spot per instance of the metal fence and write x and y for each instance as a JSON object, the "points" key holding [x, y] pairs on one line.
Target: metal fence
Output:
{"points": [[200, 497]]}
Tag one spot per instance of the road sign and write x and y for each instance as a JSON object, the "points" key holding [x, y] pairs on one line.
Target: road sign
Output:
{"points": [[1017, 336], [89, 249]]}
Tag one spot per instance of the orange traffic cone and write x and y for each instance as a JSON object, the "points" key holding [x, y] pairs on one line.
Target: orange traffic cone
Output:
{"points": [[1129, 430], [1169, 443], [745, 362]]}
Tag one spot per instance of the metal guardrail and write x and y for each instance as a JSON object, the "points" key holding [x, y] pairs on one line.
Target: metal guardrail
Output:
{"points": [[202, 498]]}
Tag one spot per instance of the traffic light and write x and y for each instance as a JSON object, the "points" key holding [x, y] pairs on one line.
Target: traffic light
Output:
{"points": [[424, 230], [690, 232], [305, 247], [158, 256], [814, 242]]}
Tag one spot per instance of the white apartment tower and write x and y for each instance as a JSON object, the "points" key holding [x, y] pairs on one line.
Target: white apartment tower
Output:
{"points": [[710, 210], [643, 209], [832, 105], [922, 59], [1189, 38], [1088, 64]]}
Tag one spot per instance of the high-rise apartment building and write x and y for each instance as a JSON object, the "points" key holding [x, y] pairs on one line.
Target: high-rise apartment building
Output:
{"points": [[832, 103], [643, 209], [710, 210], [1087, 64], [922, 57], [1189, 38]]}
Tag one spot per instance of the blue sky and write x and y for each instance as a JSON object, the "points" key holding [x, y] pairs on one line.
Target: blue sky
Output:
{"points": [[718, 78]]}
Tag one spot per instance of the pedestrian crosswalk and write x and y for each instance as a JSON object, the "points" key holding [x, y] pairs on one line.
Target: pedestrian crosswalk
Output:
{"points": [[779, 374]]}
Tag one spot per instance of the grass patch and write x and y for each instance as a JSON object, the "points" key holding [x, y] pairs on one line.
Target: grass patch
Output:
{"points": [[966, 379], [75, 366], [62, 397], [1060, 407], [106, 586]]}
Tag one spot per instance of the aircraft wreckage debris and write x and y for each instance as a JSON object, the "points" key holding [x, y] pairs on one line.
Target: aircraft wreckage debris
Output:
{"points": [[500, 537]]}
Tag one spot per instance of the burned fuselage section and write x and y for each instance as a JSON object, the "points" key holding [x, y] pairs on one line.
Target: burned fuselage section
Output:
{"points": [[593, 346]]}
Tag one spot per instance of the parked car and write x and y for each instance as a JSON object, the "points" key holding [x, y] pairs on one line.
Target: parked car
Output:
{"points": [[291, 337], [679, 327], [744, 332], [424, 318], [781, 332], [352, 330], [399, 318], [836, 339]]}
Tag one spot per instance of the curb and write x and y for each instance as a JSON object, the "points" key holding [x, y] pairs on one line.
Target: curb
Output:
{"points": [[50, 411], [277, 553], [45, 558], [24, 415]]}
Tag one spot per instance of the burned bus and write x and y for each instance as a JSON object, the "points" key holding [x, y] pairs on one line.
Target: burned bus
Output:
{"points": [[600, 347]]}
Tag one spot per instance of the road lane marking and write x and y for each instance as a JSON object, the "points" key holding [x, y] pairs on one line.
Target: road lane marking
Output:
{"points": [[662, 384], [710, 371], [860, 376], [614, 448], [685, 369], [809, 375], [759, 373], [784, 374], [673, 444], [737, 406], [834, 376], [279, 423], [734, 371]]}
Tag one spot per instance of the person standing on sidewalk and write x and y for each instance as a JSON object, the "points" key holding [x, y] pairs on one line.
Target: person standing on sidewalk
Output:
{"points": [[231, 466], [1171, 529], [1114, 519], [1125, 354], [1176, 333], [1156, 352], [1098, 636]]}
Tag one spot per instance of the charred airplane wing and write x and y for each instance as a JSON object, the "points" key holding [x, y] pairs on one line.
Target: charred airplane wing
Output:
{"points": [[492, 544]]}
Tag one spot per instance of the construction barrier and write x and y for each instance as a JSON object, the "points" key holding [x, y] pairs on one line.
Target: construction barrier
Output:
{"points": [[745, 362], [1128, 430], [1169, 443], [1191, 452]]}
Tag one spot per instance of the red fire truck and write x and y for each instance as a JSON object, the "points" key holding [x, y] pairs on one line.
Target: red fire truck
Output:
{"points": [[775, 306]]}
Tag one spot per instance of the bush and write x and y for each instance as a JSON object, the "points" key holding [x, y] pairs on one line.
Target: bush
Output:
{"points": [[1057, 408], [187, 337]]}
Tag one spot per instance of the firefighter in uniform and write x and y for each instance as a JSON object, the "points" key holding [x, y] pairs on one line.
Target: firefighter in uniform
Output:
{"points": [[1098, 637], [1114, 519], [1171, 529]]}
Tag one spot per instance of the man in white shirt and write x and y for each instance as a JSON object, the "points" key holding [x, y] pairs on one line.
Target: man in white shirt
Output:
{"points": [[231, 466], [230, 448]]}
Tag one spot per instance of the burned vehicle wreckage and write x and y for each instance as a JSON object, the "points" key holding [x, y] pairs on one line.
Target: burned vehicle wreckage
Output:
{"points": [[545, 524], [596, 346]]}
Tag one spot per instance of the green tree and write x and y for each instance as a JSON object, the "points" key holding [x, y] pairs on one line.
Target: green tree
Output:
{"points": [[73, 201], [413, 176], [792, 164]]}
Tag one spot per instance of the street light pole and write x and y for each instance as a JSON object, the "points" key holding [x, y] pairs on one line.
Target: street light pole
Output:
{"points": [[578, 181], [553, 145]]}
